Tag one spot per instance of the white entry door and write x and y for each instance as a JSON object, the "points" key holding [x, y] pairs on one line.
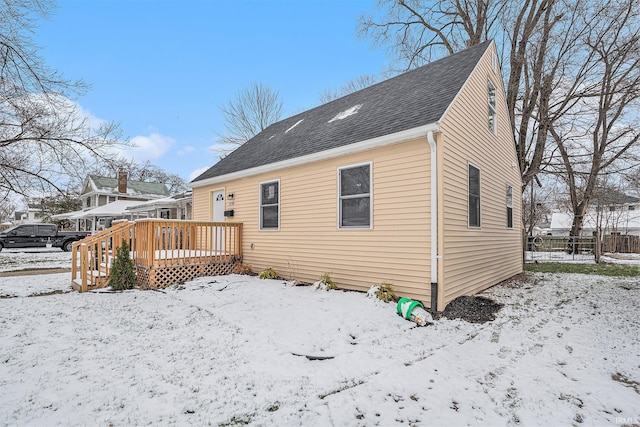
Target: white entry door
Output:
{"points": [[218, 216]]}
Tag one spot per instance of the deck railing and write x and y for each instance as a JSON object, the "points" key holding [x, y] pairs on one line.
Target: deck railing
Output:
{"points": [[154, 244], [91, 257], [176, 242]]}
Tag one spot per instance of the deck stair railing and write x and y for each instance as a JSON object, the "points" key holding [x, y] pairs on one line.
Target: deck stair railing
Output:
{"points": [[91, 257], [163, 251]]}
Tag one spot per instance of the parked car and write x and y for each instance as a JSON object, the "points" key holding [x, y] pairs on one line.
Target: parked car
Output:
{"points": [[39, 236]]}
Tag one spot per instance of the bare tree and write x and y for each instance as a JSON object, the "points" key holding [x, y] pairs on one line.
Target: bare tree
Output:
{"points": [[58, 204], [598, 132], [416, 31], [253, 110], [535, 206], [45, 138], [145, 172], [535, 38], [7, 207], [632, 181], [354, 85]]}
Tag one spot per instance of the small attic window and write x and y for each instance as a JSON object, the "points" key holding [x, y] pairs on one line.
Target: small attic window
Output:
{"points": [[346, 113], [491, 91]]}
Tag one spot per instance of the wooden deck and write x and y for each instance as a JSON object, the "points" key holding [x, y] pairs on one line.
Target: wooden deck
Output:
{"points": [[164, 252]]}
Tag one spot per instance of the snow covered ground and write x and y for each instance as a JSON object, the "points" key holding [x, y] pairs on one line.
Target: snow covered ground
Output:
{"points": [[31, 258], [231, 350]]}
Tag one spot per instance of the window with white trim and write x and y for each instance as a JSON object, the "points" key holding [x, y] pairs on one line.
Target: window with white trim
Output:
{"points": [[491, 94], [509, 206], [474, 196], [354, 186], [270, 205]]}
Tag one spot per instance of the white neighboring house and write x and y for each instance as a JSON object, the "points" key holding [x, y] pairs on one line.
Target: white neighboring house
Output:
{"points": [[32, 215], [105, 199], [178, 206], [620, 218]]}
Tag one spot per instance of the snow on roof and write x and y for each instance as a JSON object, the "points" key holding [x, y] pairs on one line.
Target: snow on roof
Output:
{"points": [[66, 215], [346, 113], [616, 219], [296, 124], [119, 207]]}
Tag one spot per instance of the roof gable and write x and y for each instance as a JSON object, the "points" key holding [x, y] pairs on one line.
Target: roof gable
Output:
{"points": [[416, 98]]}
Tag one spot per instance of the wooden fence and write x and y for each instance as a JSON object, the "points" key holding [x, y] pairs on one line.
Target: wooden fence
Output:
{"points": [[621, 244]]}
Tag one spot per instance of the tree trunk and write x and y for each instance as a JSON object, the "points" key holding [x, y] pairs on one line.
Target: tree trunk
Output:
{"points": [[576, 227]]}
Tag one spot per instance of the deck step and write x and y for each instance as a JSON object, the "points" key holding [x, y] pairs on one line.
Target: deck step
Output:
{"points": [[99, 278]]}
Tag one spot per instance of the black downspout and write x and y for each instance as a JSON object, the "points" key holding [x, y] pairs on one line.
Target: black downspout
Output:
{"points": [[434, 297]]}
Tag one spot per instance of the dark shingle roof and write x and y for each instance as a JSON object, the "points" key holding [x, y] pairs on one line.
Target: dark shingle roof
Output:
{"points": [[416, 98]]}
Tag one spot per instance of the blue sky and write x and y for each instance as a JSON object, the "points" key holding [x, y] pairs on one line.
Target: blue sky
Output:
{"points": [[163, 68]]}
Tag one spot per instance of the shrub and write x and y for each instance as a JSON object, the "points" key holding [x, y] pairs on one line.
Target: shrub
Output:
{"points": [[269, 273], [123, 275], [326, 283], [244, 269], [383, 291]]}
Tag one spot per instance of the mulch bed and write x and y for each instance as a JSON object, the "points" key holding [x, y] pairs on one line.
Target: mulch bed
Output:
{"points": [[472, 309]]}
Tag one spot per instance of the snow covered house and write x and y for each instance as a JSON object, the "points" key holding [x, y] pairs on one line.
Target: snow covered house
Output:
{"points": [[619, 218], [100, 190], [32, 215], [412, 181], [177, 206], [105, 199]]}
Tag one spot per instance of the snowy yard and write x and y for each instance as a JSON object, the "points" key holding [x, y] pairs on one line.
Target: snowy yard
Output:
{"points": [[32, 258], [565, 349]]}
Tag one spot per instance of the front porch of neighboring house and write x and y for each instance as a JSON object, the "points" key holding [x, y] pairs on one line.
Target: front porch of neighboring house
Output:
{"points": [[164, 252]]}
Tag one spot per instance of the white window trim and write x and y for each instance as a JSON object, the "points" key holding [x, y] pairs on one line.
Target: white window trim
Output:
{"points": [[260, 204], [507, 203], [339, 205], [475, 227], [494, 108]]}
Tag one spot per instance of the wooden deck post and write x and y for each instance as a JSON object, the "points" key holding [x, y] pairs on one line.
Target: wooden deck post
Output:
{"points": [[84, 257], [239, 241], [74, 261]]}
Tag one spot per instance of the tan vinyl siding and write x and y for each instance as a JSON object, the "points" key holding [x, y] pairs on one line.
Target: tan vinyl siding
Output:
{"points": [[477, 258], [309, 242]]}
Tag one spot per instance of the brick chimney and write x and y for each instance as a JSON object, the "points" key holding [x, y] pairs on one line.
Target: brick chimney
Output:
{"points": [[122, 182]]}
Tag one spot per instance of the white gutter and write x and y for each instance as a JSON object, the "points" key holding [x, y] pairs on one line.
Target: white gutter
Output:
{"points": [[434, 221], [368, 144]]}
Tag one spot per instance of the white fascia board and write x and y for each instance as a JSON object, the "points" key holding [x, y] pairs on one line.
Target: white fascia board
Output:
{"points": [[344, 150]]}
